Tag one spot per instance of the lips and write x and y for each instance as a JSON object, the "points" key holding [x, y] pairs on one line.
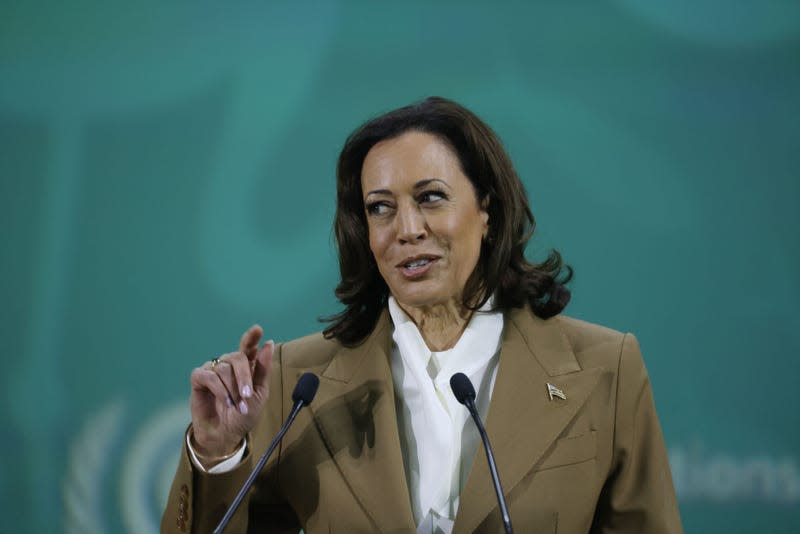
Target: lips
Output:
{"points": [[417, 263], [416, 266]]}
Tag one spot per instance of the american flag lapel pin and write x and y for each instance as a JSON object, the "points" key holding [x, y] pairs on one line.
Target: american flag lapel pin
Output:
{"points": [[553, 391]]}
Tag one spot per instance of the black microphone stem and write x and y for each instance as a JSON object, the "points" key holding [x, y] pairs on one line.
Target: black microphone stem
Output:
{"points": [[470, 404], [298, 405]]}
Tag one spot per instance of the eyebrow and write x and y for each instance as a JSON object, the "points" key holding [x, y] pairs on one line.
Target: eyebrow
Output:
{"points": [[419, 185]]}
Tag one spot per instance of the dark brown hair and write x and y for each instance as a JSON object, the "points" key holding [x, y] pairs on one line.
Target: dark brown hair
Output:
{"points": [[502, 269]]}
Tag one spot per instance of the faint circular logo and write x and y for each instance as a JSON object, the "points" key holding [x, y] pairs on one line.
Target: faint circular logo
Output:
{"points": [[109, 463]]}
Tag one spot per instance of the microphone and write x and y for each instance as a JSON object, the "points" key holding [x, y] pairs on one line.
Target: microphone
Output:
{"points": [[465, 394], [302, 395]]}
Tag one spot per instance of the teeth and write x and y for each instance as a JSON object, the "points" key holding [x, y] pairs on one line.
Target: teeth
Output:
{"points": [[418, 263]]}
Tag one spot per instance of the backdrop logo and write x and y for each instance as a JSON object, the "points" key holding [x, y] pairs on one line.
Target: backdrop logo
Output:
{"points": [[146, 458]]}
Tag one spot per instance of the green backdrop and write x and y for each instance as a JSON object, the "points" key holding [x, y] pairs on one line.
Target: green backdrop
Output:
{"points": [[167, 179]]}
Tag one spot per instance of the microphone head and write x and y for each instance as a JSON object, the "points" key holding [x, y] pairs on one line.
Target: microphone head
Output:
{"points": [[306, 388], [462, 388]]}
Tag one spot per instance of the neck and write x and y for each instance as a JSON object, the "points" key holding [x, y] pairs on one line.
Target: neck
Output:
{"points": [[441, 325]]}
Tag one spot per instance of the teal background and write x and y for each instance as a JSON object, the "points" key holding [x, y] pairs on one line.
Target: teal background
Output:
{"points": [[167, 179]]}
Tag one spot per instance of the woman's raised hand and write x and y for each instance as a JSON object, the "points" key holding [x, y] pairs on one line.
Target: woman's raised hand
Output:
{"points": [[228, 394]]}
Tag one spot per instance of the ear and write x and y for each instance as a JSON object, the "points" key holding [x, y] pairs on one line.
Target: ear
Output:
{"points": [[485, 215]]}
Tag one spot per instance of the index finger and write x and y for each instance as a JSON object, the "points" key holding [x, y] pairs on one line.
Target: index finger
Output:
{"points": [[249, 342]]}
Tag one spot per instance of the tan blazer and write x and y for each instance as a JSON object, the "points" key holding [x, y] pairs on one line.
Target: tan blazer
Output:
{"points": [[593, 462]]}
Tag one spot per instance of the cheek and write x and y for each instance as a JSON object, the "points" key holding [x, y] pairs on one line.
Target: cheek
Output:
{"points": [[468, 244], [377, 243], [467, 228]]}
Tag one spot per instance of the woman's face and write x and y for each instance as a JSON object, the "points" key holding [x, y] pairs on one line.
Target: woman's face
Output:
{"points": [[425, 223]]}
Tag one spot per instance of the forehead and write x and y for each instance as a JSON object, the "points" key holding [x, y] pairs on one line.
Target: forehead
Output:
{"points": [[411, 157]]}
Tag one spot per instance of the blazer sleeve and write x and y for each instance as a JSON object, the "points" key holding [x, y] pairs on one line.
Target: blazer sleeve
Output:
{"points": [[198, 500], [639, 495]]}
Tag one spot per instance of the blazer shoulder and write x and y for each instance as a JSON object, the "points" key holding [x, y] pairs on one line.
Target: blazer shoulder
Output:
{"points": [[594, 344], [310, 351], [581, 332]]}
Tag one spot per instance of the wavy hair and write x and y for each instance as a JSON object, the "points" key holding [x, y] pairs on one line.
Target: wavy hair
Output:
{"points": [[502, 269]]}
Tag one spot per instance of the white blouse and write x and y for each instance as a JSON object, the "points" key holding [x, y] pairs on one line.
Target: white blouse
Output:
{"points": [[438, 438]]}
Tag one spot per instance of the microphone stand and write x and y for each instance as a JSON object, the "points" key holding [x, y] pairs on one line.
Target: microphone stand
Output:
{"points": [[464, 392], [470, 404], [303, 393]]}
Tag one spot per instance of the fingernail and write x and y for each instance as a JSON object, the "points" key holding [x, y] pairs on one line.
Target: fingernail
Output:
{"points": [[229, 401], [243, 407], [247, 392], [270, 342]]}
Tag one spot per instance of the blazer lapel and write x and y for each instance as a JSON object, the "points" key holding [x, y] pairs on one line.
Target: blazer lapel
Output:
{"points": [[355, 413], [523, 422]]}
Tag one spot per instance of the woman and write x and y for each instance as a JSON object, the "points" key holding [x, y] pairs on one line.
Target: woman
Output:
{"points": [[431, 225]]}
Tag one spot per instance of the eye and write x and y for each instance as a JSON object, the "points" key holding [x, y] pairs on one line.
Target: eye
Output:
{"points": [[431, 196], [377, 208]]}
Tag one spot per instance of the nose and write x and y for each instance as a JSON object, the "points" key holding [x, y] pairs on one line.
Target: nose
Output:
{"points": [[411, 224]]}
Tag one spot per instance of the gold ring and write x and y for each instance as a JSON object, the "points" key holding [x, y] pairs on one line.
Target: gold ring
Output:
{"points": [[215, 362]]}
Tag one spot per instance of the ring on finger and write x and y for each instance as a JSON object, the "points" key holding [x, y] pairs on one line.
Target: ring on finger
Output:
{"points": [[215, 362]]}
